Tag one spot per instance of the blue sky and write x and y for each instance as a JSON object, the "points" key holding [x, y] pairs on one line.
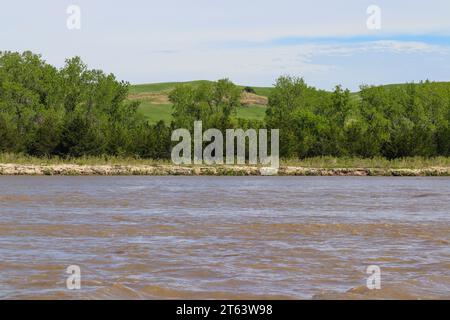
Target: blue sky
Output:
{"points": [[250, 42]]}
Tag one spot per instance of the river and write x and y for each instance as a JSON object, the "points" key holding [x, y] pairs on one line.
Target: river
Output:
{"points": [[224, 237]]}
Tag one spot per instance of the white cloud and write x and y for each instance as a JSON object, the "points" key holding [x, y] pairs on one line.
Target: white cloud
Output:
{"points": [[148, 41], [380, 46]]}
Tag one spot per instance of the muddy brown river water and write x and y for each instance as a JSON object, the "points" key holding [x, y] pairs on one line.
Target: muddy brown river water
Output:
{"points": [[224, 237]]}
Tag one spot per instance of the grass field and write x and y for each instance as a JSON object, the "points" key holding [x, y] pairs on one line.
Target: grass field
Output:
{"points": [[155, 112], [161, 87], [251, 112], [168, 86]]}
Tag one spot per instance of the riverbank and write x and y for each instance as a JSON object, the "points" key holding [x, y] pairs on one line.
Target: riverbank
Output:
{"points": [[18, 164], [166, 170]]}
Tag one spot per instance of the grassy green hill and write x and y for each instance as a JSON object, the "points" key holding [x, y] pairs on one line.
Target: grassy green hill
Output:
{"points": [[156, 112], [155, 105], [168, 86], [161, 87]]}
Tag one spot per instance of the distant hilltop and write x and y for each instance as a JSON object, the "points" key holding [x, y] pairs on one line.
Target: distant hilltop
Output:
{"points": [[158, 93], [155, 104]]}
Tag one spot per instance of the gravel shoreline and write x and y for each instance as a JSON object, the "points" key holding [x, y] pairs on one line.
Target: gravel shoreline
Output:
{"points": [[166, 170]]}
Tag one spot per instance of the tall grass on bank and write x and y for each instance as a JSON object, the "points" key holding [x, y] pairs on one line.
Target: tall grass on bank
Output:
{"points": [[317, 162], [376, 163], [87, 160]]}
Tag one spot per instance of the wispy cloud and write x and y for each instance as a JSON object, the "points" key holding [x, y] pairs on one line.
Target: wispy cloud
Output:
{"points": [[379, 46]]}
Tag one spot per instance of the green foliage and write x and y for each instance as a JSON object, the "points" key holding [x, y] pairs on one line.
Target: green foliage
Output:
{"points": [[157, 112], [77, 112], [385, 121], [72, 111], [249, 90], [213, 103], [300, 112]]}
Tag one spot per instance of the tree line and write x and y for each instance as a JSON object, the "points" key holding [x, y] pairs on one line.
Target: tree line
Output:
{"points": [[393, 121], [71, 112], [74, 111]]}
